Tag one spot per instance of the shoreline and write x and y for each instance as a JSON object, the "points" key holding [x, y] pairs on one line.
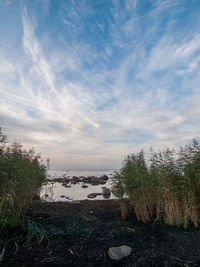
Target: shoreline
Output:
{"points": [[80, 234]]}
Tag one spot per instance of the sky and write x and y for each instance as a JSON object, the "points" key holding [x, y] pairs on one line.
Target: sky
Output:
{"points": [[87, 82]]}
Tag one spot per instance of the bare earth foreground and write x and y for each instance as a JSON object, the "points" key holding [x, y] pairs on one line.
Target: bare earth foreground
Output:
{"points": [[81, 234]]}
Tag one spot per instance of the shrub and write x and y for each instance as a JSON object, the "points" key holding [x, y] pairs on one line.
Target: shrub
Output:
{"points": [[21, 175]]}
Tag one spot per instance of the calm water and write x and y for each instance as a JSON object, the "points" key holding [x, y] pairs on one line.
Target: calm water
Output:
{"points": [[55, 191]]}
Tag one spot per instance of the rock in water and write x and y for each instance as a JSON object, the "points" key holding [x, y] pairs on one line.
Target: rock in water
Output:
{"points": [[117, 253], [93, 195], [106, 193], [84, 186]]}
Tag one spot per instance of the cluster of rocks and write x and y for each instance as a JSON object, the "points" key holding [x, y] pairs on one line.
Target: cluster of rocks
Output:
{"points": [[93, 180]]}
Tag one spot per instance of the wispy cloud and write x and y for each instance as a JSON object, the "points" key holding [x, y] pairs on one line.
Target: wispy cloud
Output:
{"points": [[32, 47], [96, 81], [5, 66]]}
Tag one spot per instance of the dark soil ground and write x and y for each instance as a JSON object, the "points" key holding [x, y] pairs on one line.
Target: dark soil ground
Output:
{"points": [[81, 234]]}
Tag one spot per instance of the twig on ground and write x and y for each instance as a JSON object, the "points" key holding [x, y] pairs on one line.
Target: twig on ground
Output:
{"points": [[182, 260], [48, 259], [71, 251], [16, 247], [128, 229]]}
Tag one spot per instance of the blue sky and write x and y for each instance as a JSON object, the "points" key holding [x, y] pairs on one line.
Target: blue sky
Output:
{"points": [[88, 82]]}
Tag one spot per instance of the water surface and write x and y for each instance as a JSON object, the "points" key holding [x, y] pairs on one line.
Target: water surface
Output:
{"points": [[54, 191]]}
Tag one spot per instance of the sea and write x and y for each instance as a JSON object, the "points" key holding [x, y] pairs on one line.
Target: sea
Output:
{"points": [[54, 191]]}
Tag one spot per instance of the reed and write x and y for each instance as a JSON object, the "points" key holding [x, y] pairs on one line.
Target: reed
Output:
{"points": [[135, 181], [138, 186], [169, 187], [178, 181]]}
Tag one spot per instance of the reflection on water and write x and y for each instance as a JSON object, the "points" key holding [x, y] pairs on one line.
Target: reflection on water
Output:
{"points": [[55, 191]]}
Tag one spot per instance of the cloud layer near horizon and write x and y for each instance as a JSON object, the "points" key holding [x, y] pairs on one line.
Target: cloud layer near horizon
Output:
{"points": [[87, 82]]}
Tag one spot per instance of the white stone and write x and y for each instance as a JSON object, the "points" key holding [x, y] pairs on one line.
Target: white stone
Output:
{"points": [[117, 253]]}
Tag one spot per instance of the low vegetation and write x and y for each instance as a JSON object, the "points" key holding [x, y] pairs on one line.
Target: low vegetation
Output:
{"points": [[166, 186], [21, 174]]}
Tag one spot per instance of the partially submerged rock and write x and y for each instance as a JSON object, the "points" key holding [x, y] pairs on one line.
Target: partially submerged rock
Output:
{"points": [[93, 195], [66, 185], [84, 186], [106, 192], [118, 253]]}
